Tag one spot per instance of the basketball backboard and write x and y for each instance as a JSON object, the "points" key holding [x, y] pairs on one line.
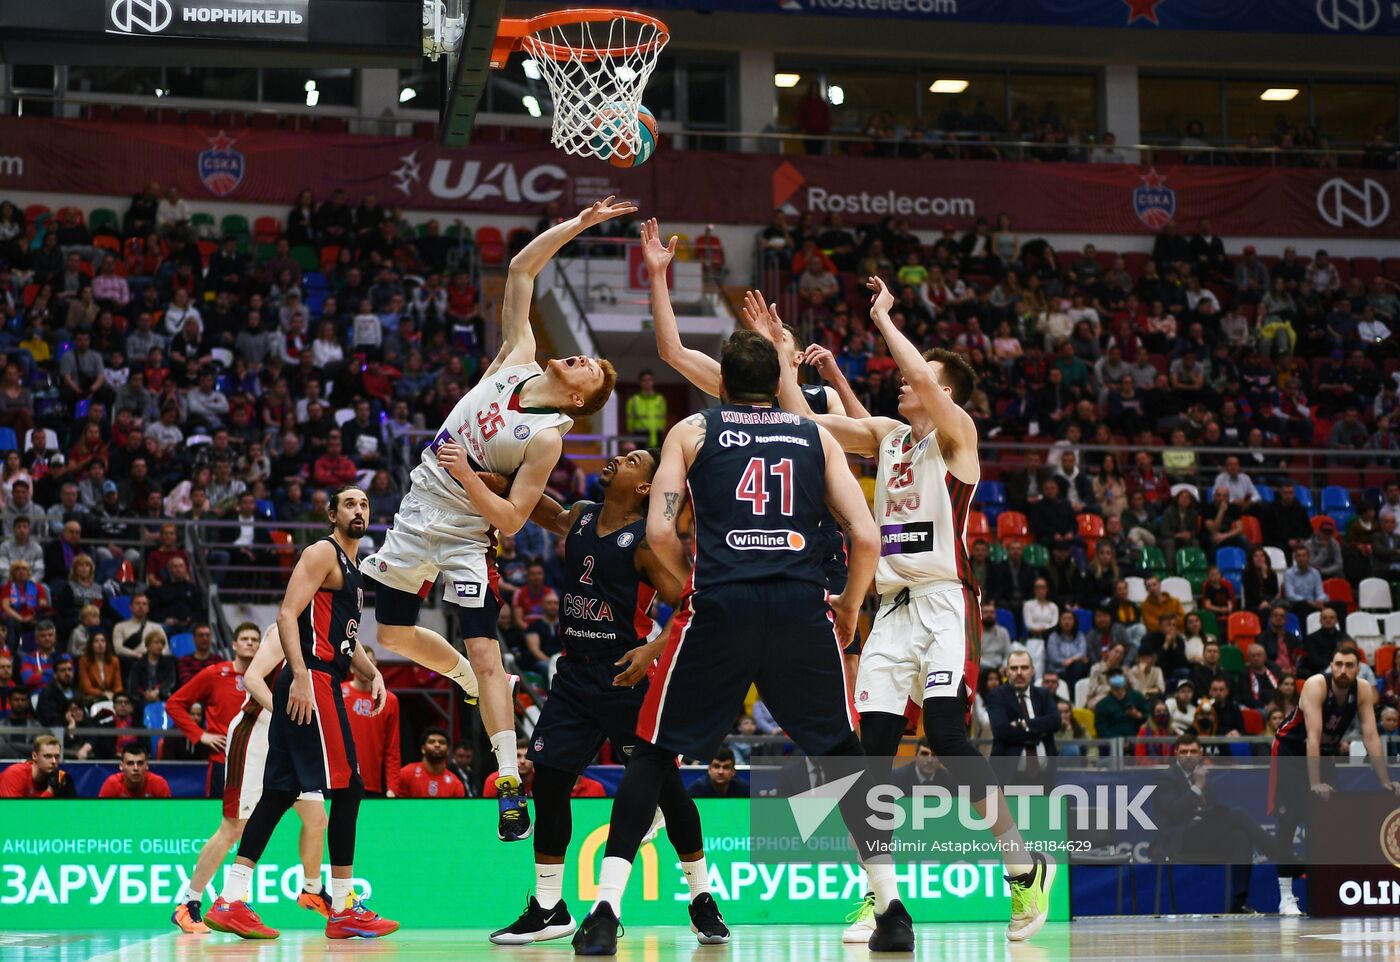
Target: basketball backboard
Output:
{"points": [[465, 68]]}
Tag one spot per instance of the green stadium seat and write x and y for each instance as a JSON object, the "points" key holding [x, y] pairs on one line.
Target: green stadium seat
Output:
{"points": [[204, 226], [235, 224], [996, 552], [1037, 555], [1231, 659], [1152, 561], [1209, 623], [306, 257], [104, 217], [1190, 559]]}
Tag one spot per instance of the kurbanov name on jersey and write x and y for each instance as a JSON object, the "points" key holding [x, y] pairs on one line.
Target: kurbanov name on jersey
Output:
{"points": [[765, 416], [906, 538]]}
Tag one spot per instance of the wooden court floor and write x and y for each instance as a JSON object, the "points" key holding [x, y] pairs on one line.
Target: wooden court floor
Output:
{"points": [[1109, 940]]}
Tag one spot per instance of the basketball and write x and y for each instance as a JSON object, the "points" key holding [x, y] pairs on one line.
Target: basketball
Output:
{"points": [[610, 145]]}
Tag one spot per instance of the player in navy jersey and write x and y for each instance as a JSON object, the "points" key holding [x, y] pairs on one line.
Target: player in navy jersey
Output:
{"points": [[310, 747], [1328, 703], [756, 612], [609, 642]]}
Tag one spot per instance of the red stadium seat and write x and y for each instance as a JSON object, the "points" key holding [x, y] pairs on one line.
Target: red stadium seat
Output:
{"points": [[1339, 589], [977, 527], [1391, 268], [1385, 660], [266, 230], [1253, 721], [1365, 268], [329, 255], [1012, 526], [1253, 533], [1243, 624], [490, 246]]}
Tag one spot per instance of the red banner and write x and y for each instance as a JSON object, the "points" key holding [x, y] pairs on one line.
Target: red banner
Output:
{"points": [[270, 167]]}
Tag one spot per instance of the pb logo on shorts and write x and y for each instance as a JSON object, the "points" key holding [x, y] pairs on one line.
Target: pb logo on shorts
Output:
{"points": [[467, 590], [939, 679]]}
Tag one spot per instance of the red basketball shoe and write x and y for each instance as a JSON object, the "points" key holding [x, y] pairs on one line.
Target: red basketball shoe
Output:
{"points": [[237, 918], [358, 922]]}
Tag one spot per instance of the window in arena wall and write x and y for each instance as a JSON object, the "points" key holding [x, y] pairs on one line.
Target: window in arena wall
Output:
{"points": [[213, 83], [507, 90], [137, 81], [870, 94], [980, 108], [1246, 114], [1057, 99], [1347, 113], [1168, 105], [336, 86], [425, 82]]}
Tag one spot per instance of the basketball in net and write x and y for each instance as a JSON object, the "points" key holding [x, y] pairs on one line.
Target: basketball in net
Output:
{"points": [[597, 64]]}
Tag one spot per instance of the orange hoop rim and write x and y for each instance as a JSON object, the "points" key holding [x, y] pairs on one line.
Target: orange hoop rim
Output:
{"points": [[512, 33]]}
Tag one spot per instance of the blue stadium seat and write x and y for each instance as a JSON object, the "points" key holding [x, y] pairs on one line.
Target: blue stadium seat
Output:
{"points": [[1086, 619], [1230, 560], [1236, 581], [264, 508], [1305, 497], [990, 492], [121, 606], [1336, 501], [1007, 620], [182, 644], [154, 716], [8, 441], [1291, 623], [1266, 493]]}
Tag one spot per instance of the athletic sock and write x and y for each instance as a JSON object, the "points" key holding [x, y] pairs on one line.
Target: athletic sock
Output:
{"points": [[464, 676], [549, 884], [880, 872], [1013, 853], [503, 747], [236, 881], [697, 876], [340, 894], [612, 879], [312, 885], [187, 894]]}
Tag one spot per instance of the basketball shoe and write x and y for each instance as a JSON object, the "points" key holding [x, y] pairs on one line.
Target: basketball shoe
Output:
{"points": [[1030, 898], [317, 901], [238, 918], [514, 824], [357, 921], [188, 919], [536, 924], [706, 922], [598, 933], [894, 929], [862, 921]]}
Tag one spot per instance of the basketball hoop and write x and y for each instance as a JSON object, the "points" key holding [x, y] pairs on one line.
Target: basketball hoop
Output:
{"points": [[597, 63]]}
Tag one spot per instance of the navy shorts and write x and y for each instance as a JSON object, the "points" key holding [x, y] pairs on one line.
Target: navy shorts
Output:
{"points": [[779, 635], [316, 757], [584, 708]]}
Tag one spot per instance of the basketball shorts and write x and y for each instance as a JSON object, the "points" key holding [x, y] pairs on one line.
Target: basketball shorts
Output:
{"points": [[430, 538], [247, 760], [925, 643], [315, 757], [585, 708], [778, 635]]}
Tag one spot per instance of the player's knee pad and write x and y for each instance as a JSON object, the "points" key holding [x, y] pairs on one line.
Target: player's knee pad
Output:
{"points": [[554, 822]]}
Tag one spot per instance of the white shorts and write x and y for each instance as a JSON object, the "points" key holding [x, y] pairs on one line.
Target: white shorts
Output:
{"points": [[922, 645], [427, 540], [247, 759]]}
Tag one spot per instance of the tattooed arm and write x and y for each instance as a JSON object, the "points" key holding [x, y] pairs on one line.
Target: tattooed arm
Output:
{"points": [[668, 494], [846, 501]]}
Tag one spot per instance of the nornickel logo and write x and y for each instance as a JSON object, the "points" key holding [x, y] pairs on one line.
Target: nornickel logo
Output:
{"points": [[151, 16], [1359, 15], [1339, 201]]}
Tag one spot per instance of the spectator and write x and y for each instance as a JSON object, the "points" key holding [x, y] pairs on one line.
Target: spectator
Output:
{"points": [[179, 602], [1326, 551], [135, 780], [99, 672], [1158, 603], [720, 780], [1302, 585], [429, 777], [996, 641], [58, 694], [129, 635], [1217, 594], [376, 735], [1113, 658], [333, 469], [1066, 650], [1320, 645], [36, 668], [646, 410], [1261, 584], [1259, 680], [1168, 645], [1039, 614], [1023, 716], [1158, 726], [1278, 642], [1122, 712], [1144, 676], [23, 601], [461, 765], [1182, 705], [154, 676], [1229, 719], [1385, 548], [1236, 483], [20, 505], [187, 666], [40, 777]]}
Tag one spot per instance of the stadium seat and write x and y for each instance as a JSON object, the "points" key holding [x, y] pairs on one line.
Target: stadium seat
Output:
{"points": [[1152, 561], [1373, 594], [1390, 627], [50, 438], [1339, 589], [490, 246], [989, 492], [1365, 268], [1085, 617], [1364, 628], [120, 606], [1318, 520], [1313, 624], [330, 254], [104, 217], [236, 225], [1385, 660], [306, 257], [181, 644], [1191, 559], [1236, 582], [8, 442], [266, 229], [1090, 527], [1037, 555], [1305, 497], [1012, 526], [1336, 501], [1197, 580], [154, 716], [1180, 589], [1230, 559], [977, 527], [1243, 624], [1081, 692], [1253, 721], [1210, 625], [1007, 620], [1137, 589], [284, 549], [1265, 492], [996, 552], [1232, 659], [1277, 561], [1253, 532], [204, 226]]}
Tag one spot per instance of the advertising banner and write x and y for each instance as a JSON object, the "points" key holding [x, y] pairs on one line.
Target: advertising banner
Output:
{"points": [[271, 166], [267, 20], [436, 864]]}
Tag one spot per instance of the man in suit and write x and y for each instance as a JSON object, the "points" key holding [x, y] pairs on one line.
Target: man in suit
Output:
{"points": [[1023, 487], [1012, 581], [925, 770], [1024, 716], [1195, 827]]}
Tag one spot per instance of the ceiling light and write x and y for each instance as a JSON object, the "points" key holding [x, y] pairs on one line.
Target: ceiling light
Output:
{"points": [[407, 94], [948, 86], [786, 80], [1279, 93], [310, 86], [836, 95], [532, 106], [313, 97], [625, 73], [532, 69]]}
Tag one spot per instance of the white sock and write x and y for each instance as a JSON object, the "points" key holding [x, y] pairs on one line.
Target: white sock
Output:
{"points": [[549, 884], [1285, 887], [882, 882], [340, 893], [312, 884], [1013, 852], [697, 876], [612, 879], [503, 747], [237, 878], [464, 676], [187, 894]]}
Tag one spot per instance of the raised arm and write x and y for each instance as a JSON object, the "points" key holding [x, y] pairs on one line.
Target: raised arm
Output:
{"points": [[507, 514], [315, 563], [846, 501], [957, 431], [840, 398], [517, 337], [856, 436], [668, 494], [697, 367]]}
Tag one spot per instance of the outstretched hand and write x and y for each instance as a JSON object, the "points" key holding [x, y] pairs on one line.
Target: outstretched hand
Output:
{"points": [[605, 209], [656, 255], [883, 299], [762, 318], [822, 359]]}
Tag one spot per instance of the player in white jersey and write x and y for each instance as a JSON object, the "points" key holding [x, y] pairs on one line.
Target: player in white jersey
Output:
{"points": [[247, 755], [512, 423], [925, 642]]}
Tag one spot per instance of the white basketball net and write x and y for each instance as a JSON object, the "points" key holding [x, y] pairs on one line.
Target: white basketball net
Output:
{"points": [[596, 93]]}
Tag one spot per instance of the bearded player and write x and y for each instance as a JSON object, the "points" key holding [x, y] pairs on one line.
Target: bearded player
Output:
{"points": [[926, 638], [1328, 703], [598, 689], [310, 745], [512, 423], [247, 756]]}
